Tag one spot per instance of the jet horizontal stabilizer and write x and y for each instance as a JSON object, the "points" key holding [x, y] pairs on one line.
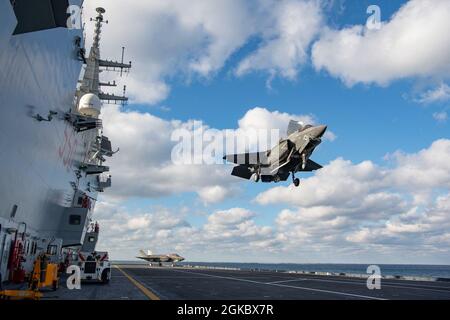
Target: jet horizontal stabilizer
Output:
{"points": [[242, 172]]}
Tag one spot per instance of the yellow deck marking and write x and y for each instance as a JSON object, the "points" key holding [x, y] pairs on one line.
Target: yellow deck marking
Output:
{"points": [[144, 290]]}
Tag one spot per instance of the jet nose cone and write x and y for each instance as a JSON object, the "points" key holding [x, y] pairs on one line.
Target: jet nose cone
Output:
{"points": [[320, 130]]}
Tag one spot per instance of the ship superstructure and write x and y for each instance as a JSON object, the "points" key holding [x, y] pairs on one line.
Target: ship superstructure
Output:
{"points": [[52, 147]]}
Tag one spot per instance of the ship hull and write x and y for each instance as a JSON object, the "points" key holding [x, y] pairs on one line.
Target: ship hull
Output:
{"points": [[40, 182]]}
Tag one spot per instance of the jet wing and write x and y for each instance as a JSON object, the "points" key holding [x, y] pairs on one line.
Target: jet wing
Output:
{"points": [[151, 258], [311, 166], [248, 159]]}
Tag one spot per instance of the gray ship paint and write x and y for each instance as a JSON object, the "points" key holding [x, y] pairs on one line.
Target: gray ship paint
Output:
{"points": [[50, 165]]}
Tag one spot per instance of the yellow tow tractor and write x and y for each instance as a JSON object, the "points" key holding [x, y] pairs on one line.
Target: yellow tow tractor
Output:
{"points": [[44, 275]]}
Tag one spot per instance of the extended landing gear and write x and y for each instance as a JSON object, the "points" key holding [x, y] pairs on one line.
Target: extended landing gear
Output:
{"points": [[295, 180], [257, 175]]}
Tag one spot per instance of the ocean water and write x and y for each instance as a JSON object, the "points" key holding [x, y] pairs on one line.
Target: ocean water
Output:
{"points": [[435, 271]]}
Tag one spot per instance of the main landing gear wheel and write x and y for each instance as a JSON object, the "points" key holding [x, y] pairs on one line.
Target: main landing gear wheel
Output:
{"points": [[295, 180], [256, 177]]}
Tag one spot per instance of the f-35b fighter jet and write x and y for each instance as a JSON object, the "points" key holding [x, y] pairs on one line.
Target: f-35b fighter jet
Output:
{"points": [[289, 156], [160, 258]]}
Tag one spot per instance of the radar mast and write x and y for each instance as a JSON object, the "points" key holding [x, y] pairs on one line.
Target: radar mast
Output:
{"points": [[90, 84]]}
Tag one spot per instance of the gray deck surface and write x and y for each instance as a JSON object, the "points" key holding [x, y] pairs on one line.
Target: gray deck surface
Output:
{"points": [[200, 284]]}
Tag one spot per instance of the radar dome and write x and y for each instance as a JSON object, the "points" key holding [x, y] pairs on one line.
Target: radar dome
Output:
{"points": [[90, 105]]}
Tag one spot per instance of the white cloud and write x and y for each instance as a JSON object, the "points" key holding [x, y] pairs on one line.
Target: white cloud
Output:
{"points": [[410, 44], [286, 40], [214, 194], [440, 116], [330, 136], [144, 167], [424, 170], [139, 222], [230, 217], [374, 210], [439, 94], [426, 227], [163, 41], [346, 213], [261, 118], [344, 205], [234, 230], [342, 184], [166, 43]]}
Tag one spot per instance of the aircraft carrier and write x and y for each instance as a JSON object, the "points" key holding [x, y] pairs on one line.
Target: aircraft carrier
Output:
{"points": [[51, 139], [52, 168], [141, 282]]}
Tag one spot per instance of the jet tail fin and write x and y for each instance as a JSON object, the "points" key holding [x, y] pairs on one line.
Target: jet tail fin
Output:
{"points": [[294, 126], [242, 172]]}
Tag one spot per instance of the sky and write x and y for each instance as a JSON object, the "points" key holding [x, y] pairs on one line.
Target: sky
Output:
{"points": [[381, 86]]}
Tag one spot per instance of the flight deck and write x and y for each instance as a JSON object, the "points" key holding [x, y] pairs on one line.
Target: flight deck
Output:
{"points": [[141, 282]]}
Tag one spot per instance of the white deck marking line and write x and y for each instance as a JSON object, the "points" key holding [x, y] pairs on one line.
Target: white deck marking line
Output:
{"points": [[438, 288], [284, 281], [389, 284], [286, 286], [412, 285]]}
